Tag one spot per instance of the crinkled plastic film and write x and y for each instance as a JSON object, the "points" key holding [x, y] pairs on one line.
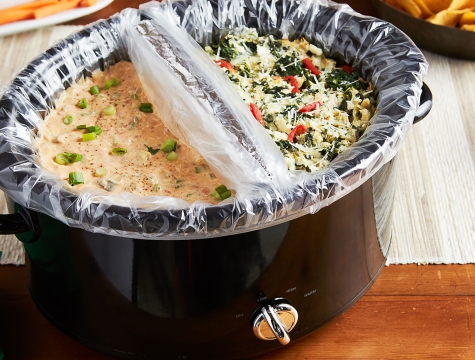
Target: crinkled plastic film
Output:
{"points": [[163, 45]]}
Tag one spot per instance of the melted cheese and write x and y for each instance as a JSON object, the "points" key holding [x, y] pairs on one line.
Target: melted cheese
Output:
{"points": [[261, 66]]}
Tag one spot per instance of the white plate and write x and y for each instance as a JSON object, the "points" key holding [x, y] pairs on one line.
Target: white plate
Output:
{"points": [[64, 16]]}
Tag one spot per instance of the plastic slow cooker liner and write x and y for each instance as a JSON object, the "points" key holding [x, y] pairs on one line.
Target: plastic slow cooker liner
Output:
{"points": [[163, 50]]}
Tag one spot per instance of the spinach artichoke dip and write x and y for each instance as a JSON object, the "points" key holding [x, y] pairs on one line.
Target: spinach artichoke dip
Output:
{"points": [[312, 107], [104, 133]]}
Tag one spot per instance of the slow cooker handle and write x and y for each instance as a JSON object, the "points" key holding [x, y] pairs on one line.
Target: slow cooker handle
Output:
{"points": [[23, 221], [425, 105]]}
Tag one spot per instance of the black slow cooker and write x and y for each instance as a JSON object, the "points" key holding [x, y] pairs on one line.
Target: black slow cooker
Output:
{"points": [[227, 281]]}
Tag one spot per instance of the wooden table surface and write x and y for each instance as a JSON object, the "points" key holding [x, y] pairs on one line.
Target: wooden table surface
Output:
{"points": [[412, 312]]}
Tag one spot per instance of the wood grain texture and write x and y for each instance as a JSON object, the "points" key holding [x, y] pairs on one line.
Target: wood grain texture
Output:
{"points": [[412, 312]]}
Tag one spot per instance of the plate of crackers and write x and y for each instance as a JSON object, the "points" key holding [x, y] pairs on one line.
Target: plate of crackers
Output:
{"points": [[446, 27]]}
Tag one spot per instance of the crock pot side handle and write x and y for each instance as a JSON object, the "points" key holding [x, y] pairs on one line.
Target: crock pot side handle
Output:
{"points": [[23, 221], [425, 104]]}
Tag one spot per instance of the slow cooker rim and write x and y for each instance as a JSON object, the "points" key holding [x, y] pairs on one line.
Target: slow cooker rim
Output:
{"points": [[277, 205]]}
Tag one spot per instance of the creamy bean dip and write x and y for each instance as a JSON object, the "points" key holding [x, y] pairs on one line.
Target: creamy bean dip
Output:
{"points": [[104, 128]]}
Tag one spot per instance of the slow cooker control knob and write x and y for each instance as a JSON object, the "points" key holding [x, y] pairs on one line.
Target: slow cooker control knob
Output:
{"points": [[275, 322]]}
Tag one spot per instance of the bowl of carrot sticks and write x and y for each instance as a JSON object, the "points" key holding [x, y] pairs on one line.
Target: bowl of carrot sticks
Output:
{"points": [[30, 14]]}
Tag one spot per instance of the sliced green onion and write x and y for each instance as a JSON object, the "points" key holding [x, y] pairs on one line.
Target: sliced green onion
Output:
{"points": [[169, 145], [119, 151], [225, 194], [94, 129], [216, 196], [76, 178], [197, 170], [100, 172], [136, 97], [89, 136], [115, 82], [172, 156], [109, 110], [74, 157], [61, 159], [221, 189], [82, 103], [81, 127], [67, 158], [146, 108], [108, 85], [68, 119], [94, 90]]}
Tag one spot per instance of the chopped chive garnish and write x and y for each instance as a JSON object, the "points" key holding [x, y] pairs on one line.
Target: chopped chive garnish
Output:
{"points": [[136, 97], [115, 82], [119, 151], [109, 110], [76, 178], [151, 150], [81, 127], [108, 85], [146, 108], [179, 181], [61, 159], [172, 156], [197, 170], [169, 145], [94, 129], [100, 172], [94, 90], [68, 119], [89, 136], [82, 103]]}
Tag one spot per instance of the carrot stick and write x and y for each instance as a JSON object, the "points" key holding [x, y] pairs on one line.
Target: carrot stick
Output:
{"points": [[15, 15], [56, 8], [31, 5], [87, 2], [5, 14]]}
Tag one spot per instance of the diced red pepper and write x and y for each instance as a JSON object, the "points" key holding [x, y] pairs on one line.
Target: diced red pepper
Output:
{"points": [[309, 65], [347, 68], [257, 113], [293, 82], [298, 130], [310, 107], [226, 65]]}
